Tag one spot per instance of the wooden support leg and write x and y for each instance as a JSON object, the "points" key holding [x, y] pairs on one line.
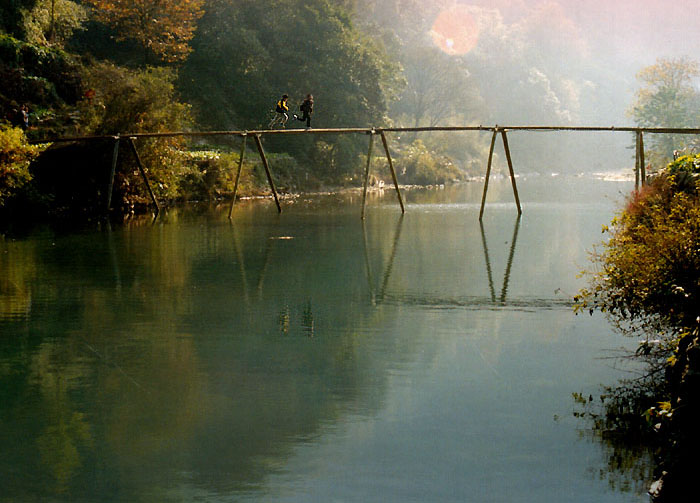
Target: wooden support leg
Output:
{"points": [[369, 162], [636, 160], [143, 174], [110, 185], [393, 172], [238, 175], [642, 165], [267, 171], [488, 173], [510, 169]]}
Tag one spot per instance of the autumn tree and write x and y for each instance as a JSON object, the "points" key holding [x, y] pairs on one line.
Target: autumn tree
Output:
{"points": [[668, 98], [161, 27]]}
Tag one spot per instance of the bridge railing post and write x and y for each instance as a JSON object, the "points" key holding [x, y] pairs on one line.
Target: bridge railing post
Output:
{"points": [[636, 159], [642, 162]]}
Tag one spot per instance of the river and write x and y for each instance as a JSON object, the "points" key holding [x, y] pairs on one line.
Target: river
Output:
{"points": [[311, 356]]}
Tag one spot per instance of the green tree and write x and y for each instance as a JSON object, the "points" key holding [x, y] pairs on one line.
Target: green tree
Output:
{"points": [[53, 21], [139, 101], [249, 52], [668, 98]]}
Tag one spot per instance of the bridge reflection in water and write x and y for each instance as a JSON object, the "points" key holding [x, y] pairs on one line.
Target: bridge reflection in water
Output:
{"points": [[380, 294]]}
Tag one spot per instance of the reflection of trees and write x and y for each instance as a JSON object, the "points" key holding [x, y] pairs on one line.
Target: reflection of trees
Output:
{"points": [[81, 369], [287, 360], [167, 340], [187, 348], [15, 298], [618, 421], [66, 436]]}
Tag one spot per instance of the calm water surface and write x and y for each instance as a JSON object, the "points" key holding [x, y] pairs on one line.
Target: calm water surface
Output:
{"points": [[310, 357]]}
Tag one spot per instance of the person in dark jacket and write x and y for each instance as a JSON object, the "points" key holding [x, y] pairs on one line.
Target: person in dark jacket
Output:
{"points": [[307, 108]]}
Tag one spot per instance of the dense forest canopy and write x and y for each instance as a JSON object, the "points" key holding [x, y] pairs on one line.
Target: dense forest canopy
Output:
{"points": [[247, 53]]}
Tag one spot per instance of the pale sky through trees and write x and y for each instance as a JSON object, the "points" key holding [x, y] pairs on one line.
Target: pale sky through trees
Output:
{"points": [[594, 43], [562, 62], [627, 30]]}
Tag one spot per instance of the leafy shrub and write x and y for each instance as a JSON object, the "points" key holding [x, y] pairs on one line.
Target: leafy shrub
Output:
{"points": [[685, 164], [39, 90], [15, 156], [285, 171], [685, 173], [9, 50], [211, 175], [650, 268], [420, 166], [649, 284]]}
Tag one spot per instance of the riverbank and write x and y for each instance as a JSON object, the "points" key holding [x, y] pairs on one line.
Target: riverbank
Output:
{"points": [[648, 283]]}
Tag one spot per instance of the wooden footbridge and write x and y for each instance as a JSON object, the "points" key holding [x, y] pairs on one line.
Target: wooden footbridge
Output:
{"points": [[640, 173]]}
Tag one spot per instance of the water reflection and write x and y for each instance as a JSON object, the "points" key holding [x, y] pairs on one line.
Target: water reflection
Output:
{"points": [[509, 264], [379, 294], [374, 297], [199, 359]]}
